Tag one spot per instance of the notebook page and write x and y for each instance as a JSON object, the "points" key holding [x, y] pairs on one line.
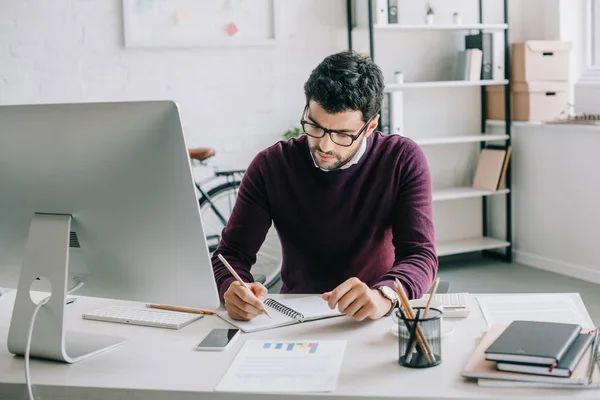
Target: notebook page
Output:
{"points": [[312, 307], [260, 322]]}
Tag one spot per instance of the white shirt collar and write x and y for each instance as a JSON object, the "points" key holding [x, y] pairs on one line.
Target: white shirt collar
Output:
{"points": [[357, 156]]}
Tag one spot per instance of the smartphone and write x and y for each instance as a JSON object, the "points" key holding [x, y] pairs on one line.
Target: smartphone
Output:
{"points": [[218, 339]]}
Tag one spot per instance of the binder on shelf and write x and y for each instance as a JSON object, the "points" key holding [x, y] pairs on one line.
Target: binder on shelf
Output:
{"points": [[491, 168], [385, 122], [392, 11], [397, 113], [469, 65], [498, 54], [483, 42], [381, 12]]}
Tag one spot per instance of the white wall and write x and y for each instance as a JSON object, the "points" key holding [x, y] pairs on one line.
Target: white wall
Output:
{"points": [[240, 100], [587, 89], [237, 100], [72, 51], [556, 197], [555, 189]]}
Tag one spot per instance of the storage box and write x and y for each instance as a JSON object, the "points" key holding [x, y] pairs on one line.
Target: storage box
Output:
{"points": [[540, 60], [532, 101]]}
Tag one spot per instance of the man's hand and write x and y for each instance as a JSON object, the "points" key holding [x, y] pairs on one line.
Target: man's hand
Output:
{"points": [[355, 299], [243, 305]]}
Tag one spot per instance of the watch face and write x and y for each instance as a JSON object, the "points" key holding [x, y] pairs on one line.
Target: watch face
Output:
{"points": [[389, 293]]}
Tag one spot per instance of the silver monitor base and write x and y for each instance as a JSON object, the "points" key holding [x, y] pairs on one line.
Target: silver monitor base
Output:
{"points": [[47, 255]]}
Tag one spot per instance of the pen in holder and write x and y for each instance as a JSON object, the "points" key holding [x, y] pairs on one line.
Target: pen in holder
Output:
{"points": [[419, 338]]}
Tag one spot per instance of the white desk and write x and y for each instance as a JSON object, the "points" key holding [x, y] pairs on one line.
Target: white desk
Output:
{"points": [[162, 364]]}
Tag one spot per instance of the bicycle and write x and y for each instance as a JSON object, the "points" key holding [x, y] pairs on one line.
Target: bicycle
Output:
{"points": [[217, 195]]}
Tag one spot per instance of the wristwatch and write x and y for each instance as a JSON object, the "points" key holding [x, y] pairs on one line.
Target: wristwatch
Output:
{"points": [[389, 294]]}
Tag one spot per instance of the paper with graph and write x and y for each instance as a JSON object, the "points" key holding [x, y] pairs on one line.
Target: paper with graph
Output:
{"points": [[264, 366]]}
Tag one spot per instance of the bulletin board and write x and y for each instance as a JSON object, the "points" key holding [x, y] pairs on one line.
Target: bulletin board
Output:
{"points": [[192, 23]]}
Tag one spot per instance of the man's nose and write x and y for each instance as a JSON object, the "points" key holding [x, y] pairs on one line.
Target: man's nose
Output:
{"points": [[326, 144]]}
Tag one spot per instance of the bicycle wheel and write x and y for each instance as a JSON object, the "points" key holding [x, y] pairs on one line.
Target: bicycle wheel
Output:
{"points": [[269, 257]]}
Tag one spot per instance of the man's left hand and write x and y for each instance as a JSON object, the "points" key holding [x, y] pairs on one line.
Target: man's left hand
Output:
{"points": [[355, 299]]}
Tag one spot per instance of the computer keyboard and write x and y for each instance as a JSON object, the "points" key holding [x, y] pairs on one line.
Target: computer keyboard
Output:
{"points": [[451, 300], [142, 316], [455, 304]]}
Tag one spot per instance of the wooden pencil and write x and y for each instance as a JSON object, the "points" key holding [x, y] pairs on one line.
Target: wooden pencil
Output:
{"points": [[427, 306], [237, 277]]}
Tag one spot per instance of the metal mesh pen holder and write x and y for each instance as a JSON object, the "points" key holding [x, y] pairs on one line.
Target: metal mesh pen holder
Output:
{"points": [[420, 344]]}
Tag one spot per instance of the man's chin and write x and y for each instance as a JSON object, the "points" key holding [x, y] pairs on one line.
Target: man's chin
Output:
{"points": [[329, 163], [329, 166]]}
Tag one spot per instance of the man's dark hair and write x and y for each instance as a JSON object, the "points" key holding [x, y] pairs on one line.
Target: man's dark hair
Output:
{"points": [[346, 81]]}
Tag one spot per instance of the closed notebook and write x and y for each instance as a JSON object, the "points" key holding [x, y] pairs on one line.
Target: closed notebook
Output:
{"points": [[480, 368], [566, 365], [533, 342], [285, 312]]}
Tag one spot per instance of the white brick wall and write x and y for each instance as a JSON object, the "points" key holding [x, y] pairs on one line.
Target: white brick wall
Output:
{"points": [[72, 51]]}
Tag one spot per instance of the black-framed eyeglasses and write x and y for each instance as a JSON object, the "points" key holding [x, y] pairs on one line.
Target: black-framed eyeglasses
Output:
{"points": [[339, 138]]}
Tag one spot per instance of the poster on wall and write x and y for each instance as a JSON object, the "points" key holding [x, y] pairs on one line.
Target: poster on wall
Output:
{"points": [[196, 23]]}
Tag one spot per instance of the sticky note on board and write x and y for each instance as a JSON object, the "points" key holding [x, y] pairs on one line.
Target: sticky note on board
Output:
{"points": [[233, 4], [182, 16], [145, 5], [231, 29]]}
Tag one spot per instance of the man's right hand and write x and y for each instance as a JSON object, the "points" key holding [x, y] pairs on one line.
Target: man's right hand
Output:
{"points": [[243, 305]]}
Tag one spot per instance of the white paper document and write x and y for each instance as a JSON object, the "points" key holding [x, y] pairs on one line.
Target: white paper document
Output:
{"points": [[264, 366], [503, 309]]}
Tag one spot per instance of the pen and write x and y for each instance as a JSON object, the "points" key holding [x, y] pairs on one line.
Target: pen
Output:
{"points": [[412, 340], [237, 277], [180, 309]]}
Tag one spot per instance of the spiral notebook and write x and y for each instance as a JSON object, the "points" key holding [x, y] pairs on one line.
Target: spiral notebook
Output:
{"points": [[285, 312]]}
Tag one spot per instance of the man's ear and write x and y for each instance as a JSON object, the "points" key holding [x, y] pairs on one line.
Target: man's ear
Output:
{"points": [[372, 125]]}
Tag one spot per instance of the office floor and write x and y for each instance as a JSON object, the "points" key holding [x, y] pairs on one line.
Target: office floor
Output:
{"points": [[482, 275]]}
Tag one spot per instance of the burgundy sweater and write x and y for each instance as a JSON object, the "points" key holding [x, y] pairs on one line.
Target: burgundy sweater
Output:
{"points": [[373, 220]]}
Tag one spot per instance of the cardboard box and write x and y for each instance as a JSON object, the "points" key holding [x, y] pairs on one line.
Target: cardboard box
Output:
{"points": [[540, 60], [532, 101]]}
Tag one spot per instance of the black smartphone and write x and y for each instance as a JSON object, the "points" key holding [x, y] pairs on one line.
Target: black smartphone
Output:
{"points": [[218, 339]]}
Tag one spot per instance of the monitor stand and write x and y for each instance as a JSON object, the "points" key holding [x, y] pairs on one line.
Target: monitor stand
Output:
{"points": [[47, 255]]}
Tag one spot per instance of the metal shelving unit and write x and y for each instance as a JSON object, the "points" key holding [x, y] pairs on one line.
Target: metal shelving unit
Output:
{"points": [[488, 245]]}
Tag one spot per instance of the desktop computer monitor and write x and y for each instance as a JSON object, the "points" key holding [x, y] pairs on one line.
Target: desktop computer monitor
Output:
{"points": [[103, 194]]}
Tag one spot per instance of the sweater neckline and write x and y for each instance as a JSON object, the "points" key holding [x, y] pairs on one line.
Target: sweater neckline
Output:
{"points": [[341, 171]]}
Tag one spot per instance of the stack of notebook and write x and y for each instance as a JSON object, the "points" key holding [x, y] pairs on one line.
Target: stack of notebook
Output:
{"points": [[541, 354]]}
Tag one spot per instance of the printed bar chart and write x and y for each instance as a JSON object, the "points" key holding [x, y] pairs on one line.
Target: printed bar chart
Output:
{"points": [[310, 348]]}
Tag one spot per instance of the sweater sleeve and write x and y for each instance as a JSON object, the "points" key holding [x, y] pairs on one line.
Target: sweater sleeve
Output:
{"points": [[246, 229], [416, 261]]}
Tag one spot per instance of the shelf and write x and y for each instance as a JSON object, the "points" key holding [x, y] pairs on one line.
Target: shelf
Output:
{"points": [[469, 245], [497, 122], [464, 193], [458, 139], [446, 27], [440, 84]]}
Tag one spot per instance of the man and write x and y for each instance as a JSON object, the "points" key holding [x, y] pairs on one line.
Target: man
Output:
{"points": [[352, 206]]}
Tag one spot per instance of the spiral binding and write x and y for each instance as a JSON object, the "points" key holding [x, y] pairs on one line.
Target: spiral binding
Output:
{"points": [[283, 309]]}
